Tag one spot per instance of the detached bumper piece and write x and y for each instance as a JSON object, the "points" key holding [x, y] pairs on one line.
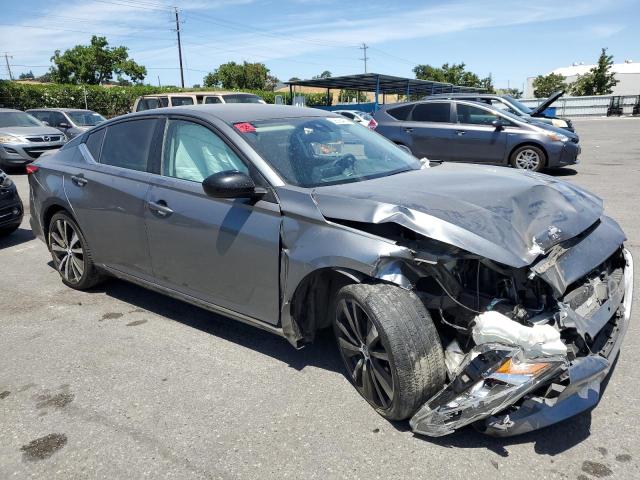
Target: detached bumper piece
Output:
{"points": [[503, 392]]}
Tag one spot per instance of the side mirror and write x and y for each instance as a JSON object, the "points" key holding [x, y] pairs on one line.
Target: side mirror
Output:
{"points": [[498, 124], [64, 125], [231, 184]]}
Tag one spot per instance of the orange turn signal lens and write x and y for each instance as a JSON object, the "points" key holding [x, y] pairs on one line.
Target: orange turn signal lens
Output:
{"points": [[511, 368]]}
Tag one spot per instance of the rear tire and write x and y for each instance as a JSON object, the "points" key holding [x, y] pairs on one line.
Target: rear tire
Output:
{"points": [[390, 347], [71, 253], [528, 157]]}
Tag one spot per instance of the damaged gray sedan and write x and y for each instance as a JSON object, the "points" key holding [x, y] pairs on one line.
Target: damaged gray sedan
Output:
{"points": [[458, 294]]}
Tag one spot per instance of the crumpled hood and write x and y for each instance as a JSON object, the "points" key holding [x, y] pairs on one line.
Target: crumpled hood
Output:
{"points": [[506, 215]]}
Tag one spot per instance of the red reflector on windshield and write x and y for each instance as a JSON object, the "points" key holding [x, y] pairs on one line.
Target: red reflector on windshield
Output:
{"points": [[32, 169], [244, 127]]}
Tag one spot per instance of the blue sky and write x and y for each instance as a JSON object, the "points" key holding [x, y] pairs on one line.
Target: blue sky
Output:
{"points": [[511, 40]]}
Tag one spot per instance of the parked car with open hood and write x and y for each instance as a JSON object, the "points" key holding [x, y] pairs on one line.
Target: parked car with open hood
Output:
{"points": [[515, 107], [466, 131], [70, 121], [23, 138], [11, 209], [457, 293], [149, 102]]}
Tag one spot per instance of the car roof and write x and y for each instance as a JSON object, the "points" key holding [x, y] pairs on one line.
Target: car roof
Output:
{"points": [[52, 109], [464, 95], [237, 112], [5, 110], [215, 92]]}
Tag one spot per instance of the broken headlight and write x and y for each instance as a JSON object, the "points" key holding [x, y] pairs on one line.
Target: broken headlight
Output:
{"points": [[491, 378]]}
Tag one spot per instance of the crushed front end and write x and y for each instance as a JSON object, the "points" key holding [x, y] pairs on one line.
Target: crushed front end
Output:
{"points": [[528, 347]]}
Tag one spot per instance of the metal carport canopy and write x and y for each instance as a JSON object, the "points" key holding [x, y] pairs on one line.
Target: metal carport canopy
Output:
{"points": [[379, 83]]}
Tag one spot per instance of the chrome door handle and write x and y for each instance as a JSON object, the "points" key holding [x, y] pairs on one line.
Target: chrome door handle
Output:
{"points": [[160, 208], [408, 129], [460, 132], [79, 180]]}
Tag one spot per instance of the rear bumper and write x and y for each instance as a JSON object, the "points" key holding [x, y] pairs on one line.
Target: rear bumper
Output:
{"points": [[569, 390]]}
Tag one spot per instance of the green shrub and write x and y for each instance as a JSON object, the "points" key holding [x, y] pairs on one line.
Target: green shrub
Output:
{"points": [[109, 101]]}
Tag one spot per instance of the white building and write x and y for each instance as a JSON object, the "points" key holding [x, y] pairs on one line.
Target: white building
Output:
{"points": [[627, 74]]}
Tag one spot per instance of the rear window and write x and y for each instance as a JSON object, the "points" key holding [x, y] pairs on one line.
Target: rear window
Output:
{"points": [[400, 113], [94, 143], [242, 99], [179, 101], [432, 112], [127, 144], [209, 100]]}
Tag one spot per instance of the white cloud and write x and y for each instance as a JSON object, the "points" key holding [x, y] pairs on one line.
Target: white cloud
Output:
{"points": [[605, 30]]}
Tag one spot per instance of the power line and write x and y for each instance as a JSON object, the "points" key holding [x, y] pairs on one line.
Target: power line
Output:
{"points": [[365, 58]]}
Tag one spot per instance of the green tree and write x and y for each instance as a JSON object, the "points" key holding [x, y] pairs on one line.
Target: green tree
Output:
{"points": [[455, 74], [294, 79], [325, 74], [512, 92], [27, 76], [95, 64], [233, 75], [346, 96], [545, 85], [600, 80]]}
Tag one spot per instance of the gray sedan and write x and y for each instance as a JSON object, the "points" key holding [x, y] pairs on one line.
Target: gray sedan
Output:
{"points": [[23, 138], [457, 293], [465, 131], [70, 121]]}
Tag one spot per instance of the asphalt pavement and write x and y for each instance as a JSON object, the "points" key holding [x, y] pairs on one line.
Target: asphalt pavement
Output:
{"points": [[123, 383]]}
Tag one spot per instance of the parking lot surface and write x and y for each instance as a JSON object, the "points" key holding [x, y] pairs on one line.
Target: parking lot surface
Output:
{"points": [[124, 383]]}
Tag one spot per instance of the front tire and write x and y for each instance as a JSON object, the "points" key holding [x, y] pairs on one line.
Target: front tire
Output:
{"points": [[71, 254], [389, 346], [528, 157]]}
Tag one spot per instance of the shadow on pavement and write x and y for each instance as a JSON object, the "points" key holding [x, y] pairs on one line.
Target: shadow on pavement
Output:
{"points": [[561, 172], [21, 235], [322, 353]]}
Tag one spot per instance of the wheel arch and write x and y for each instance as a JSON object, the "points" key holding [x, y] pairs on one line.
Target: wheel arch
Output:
{"points": [[531, 143], [48, 214]]}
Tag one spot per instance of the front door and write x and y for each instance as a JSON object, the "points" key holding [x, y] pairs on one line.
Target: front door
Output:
{"points": [[431, 130], [475, 138], [223, 251]]}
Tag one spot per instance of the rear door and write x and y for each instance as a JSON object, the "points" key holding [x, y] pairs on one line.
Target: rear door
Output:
{"points": [[475, 139], [431, 130], [223, 251], [107, 192]]}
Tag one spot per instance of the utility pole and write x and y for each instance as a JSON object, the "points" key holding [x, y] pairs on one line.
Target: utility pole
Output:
{"points": [[365, 58], [6, 59], [179, 47]]}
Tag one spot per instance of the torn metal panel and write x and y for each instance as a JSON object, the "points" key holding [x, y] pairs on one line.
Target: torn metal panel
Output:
{"points": [[458, 205], [565, 265]]}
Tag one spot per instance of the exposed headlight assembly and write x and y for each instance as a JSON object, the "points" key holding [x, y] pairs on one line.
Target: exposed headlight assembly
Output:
{"points": [[492, 377], [6, 138]]}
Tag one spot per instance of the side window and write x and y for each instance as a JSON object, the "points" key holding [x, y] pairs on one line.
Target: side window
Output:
{"points": [[147, 104], [127, 144], [212, 100], [94, 143], [193, 152], [432, 112], [400, 113], [179, 101], [56, 118], [474, 115], [347, 114], [163, 101], [42, 116]]}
